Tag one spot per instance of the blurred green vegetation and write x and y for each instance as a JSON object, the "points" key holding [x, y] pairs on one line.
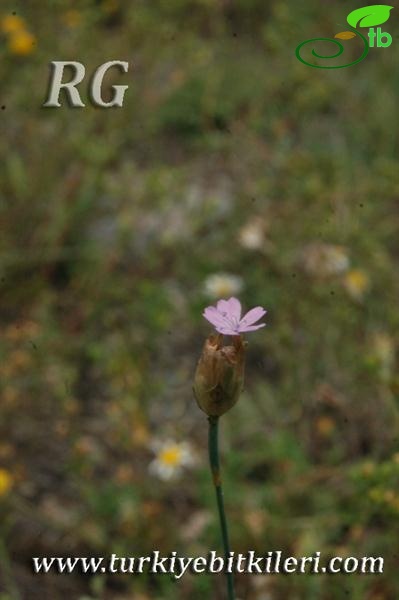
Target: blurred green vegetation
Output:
{"points": [[229, 158]]}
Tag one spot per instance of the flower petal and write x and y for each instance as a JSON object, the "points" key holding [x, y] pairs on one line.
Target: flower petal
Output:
{"points": [[226, 330], [253, 315], [212, 315], [223, 307], [234, 308], [244, 328]]}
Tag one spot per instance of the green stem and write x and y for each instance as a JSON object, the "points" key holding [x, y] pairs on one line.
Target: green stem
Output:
{"points": [[5, 565], [213, 447]]}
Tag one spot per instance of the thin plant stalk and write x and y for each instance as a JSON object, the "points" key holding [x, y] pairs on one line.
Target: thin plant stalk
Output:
{"points": [[5, 565], [213, 447]]}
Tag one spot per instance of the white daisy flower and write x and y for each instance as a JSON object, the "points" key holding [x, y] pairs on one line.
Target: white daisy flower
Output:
{"points": [[252, 235], [221, 285], [171, 458], [323, 260]]}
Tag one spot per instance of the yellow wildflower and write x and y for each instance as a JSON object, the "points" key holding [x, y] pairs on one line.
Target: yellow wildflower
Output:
{"points": [[11, 24], [21, 42], [5, 482], [356, 282]]}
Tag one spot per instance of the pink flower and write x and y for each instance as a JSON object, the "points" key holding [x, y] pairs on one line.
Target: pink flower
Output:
{"points": [[226, 317]]}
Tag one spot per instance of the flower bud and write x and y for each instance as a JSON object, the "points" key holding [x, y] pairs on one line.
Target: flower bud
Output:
{"points": [[219, 376]]}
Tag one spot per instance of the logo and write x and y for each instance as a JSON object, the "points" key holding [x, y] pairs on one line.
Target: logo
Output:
{"points": [[56, 84], [368, 16]]}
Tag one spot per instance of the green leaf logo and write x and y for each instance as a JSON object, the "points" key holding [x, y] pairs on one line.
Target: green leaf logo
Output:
{"points": [[368, 16]]}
